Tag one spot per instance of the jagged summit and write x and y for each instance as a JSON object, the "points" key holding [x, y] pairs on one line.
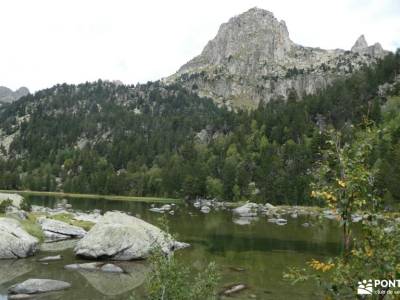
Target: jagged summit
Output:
{"points": [[361, 46], [7, 95], [252, 58], [254, 35]]}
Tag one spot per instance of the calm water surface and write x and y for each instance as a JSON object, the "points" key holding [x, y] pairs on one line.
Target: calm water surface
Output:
{"points": [[255, 255]]}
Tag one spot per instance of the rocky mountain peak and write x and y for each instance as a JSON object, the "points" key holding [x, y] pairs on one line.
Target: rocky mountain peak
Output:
{"points": [[360, 45], [7, 95], [252, 58], [255, 35]]}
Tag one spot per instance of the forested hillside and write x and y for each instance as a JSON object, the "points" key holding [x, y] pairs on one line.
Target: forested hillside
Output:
{"points": [[162, 140]]}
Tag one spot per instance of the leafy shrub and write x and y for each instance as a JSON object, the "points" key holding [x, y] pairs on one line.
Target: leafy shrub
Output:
{"points": [[26, 204], [172, 280], [4, 204]]}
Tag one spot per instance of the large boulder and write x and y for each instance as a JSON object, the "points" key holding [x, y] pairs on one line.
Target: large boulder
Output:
{"points": [[15, 242], [248, 210], [36, 286], [58, 230], [121, 237], [15, 199]]}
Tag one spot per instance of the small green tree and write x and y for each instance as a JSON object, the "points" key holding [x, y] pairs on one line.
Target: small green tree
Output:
{"points": [[346, 182]]}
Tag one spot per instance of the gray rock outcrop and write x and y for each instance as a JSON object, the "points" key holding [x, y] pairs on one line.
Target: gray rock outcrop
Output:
{"points": [[95, 266], [121, 237], [15, 199], [7, 95], [248, 210], [15, 242], [57, 230], [36, 286], [361, 47], [252, 58]]}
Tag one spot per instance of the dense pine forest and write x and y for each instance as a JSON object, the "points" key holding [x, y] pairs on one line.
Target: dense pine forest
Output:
{"points": [[157, 140]]}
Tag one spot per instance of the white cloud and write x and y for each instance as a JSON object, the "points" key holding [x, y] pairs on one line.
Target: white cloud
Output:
{"points": [[47, 42]]}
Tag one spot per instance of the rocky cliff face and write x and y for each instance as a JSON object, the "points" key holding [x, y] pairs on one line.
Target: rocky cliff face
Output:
{"points": [[252, 58], [8, 96]]}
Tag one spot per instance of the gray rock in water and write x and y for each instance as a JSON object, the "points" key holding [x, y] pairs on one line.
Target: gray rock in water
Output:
{"points": [[57, 230], [110, 268], [248, 210], [244, 220], [95, 266], [157, 210], [50, 258], [15, 242], [205, 209], [36, 286], [19, 297], [122, 237], [281, 222], [162, 209]]}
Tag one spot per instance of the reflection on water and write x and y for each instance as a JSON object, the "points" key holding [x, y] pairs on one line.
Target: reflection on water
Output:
{"points": [[113, 284], [253, 252], [10, 269]]}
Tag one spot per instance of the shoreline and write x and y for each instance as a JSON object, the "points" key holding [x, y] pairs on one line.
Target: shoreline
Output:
{"points": [[94, 196]]}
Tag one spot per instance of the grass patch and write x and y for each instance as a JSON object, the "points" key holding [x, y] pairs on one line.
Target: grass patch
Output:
{"points": [[69, 219], [31, 226]]}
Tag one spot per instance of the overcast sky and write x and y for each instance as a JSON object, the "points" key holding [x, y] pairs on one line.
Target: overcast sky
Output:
{"points": [[45, 42]]}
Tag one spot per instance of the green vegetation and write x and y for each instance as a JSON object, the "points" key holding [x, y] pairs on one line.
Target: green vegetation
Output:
{"points": [[4, 204], [68, 218], [346, 181], [102, 138], [171, 280], [32, 227]]}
